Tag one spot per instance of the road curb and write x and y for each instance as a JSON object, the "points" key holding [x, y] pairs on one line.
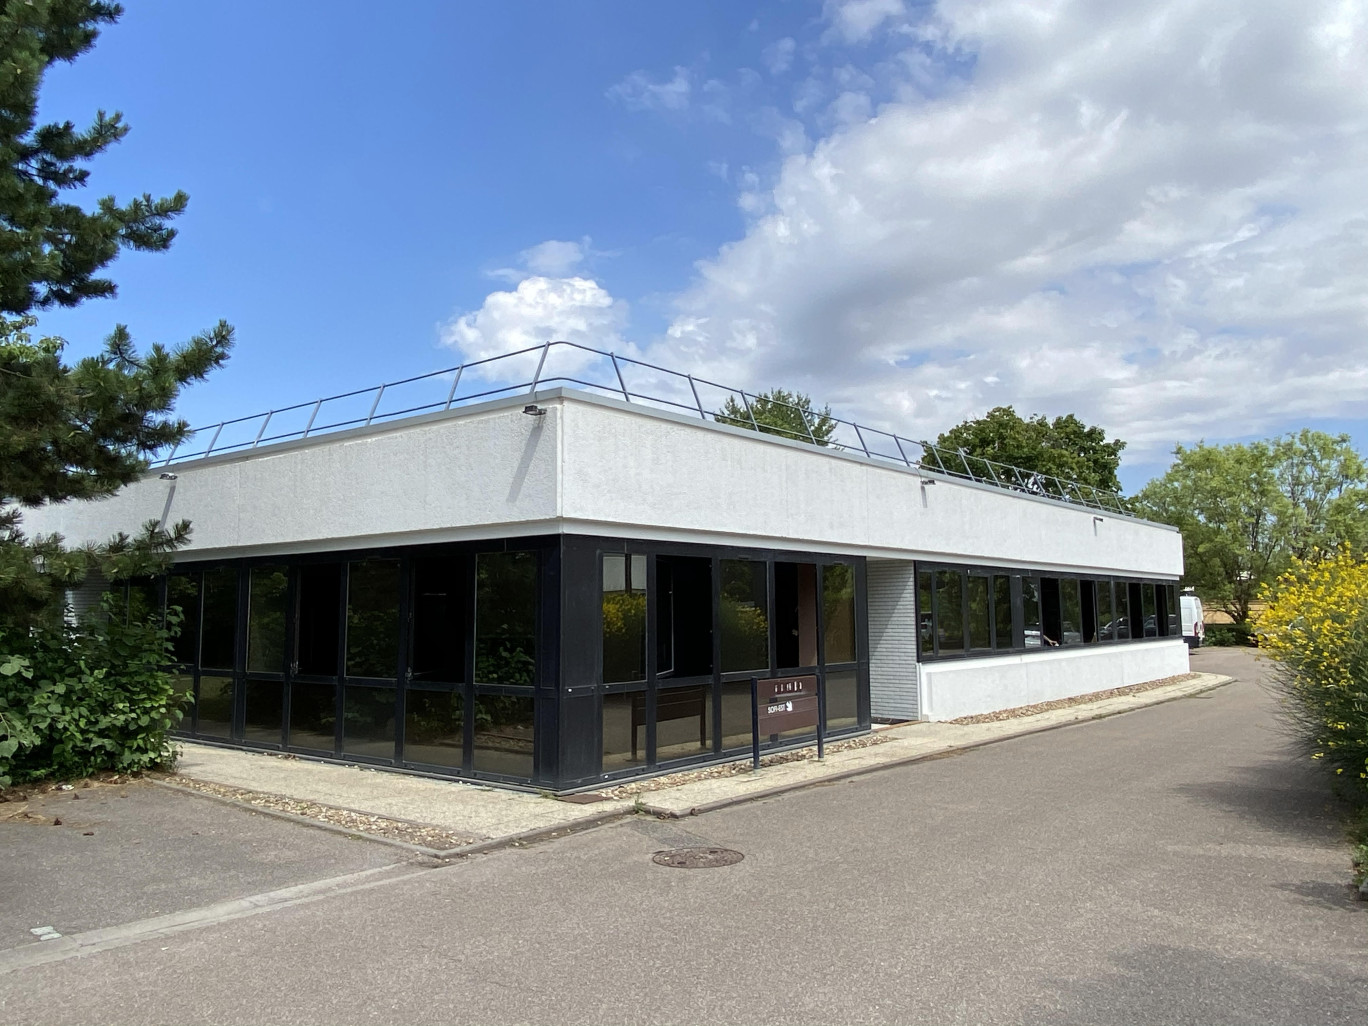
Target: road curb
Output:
{"points": [[858, 771]]}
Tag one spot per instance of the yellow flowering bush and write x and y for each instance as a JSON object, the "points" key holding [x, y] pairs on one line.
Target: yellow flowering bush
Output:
{"points": [[1316, 627]]}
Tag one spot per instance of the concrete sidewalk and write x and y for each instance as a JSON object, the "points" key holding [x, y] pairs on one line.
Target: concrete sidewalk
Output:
{"points": [[488, 817]]}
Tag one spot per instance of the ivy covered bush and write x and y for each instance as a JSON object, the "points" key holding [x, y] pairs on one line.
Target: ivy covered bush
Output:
{"points": [[86, 697]]}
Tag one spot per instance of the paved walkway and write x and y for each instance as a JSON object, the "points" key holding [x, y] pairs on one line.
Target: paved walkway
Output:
{"points": [[493, 816]]}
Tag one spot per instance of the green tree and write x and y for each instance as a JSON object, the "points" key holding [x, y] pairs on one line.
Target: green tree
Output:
{"points": [[1065, 447], [780, 412], [82, 430], [1247, 510]]}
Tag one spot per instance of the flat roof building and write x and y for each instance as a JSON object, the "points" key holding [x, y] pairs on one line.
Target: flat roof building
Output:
{"points": [[547, 586]]}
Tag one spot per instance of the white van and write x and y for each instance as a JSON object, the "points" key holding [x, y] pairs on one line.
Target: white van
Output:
{"points": [[1190, 613]]}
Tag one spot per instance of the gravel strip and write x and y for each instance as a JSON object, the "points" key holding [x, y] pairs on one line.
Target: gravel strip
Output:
{"points": [[1064, 703], [736, 769], [359, 822]]}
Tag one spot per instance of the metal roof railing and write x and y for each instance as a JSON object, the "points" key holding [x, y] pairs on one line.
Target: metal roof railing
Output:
{"points": [[636, 381]]}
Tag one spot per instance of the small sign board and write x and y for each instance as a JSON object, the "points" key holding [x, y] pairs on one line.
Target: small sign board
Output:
{"points": [[779, 704]]}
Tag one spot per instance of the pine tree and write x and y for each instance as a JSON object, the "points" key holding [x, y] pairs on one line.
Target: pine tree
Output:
{"points": [[84, 430]]}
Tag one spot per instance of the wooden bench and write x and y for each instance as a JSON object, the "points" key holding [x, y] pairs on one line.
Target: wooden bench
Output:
{"points": [[673, 704]]}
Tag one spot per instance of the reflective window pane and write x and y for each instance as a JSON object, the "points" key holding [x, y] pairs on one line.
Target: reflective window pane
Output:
{"points": [[440, 605], [1106, 612], [144, 600], [266, 619], [1002, 612], [1033, 634], [838, 612], [1151, 622], [183, 714], [220, 619], [980, 620], [264, 714], [313, 715], [503, 735], [926, 618], [744, 616], [683, 722], [506, 619], [434, 728], [1087, 592], [1071, 612], [215, 707], [1175, 627], [624, 617], [736, 715], [1137, 610], [1123, 611], [795, 615], [949, 611], [182, 592], [842, 699], [683, 617], [318, 618], [373, 619], [368, 722], [624, 730]]}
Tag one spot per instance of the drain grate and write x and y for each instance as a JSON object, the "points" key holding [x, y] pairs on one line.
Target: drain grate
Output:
{"points": [[697, 858]]}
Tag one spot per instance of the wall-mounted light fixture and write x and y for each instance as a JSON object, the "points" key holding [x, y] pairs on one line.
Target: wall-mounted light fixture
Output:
{"points": [[168, 477], [927, 481], [1099, 520], [533, 410]]}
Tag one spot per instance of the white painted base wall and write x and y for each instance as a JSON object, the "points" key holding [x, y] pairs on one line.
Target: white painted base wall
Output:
{"points": [[967, 687]]}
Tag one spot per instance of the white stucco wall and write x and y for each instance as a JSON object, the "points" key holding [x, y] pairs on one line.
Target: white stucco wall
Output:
{"points": [[967, 687], [488, 471], [670, 476]]}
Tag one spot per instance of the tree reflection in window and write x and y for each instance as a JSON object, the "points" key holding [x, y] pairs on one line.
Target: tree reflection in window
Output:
{"points": [[506, 618], [373, 619], [744, 616]]}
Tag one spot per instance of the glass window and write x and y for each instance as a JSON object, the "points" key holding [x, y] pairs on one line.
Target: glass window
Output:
{"points": [[144, 600], [220, 619], [624, 730], [1071, 612], [373, 619], [1106, 613], [795, 615], [1151, 615], [440, 607], [744, 616], [949, 612], [368, 722], [1137, 610], [926, 619], [505, 621], [265, 711], [624, 617], [1123, 611], [319, 616], [1002, 612], [838, 612], [266, 620], [503, 734], [182, 591], [215, 707], [1051, 615], [683, 722], [1088, 594], [183, 687], [980, 615], [434, 728], [683, 616], [1032, 630], [1175, 628], [313, 715], [736, 715], [842, 699]]}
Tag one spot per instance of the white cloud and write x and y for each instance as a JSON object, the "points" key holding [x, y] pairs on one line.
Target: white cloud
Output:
{"points": [[854, 21], [1151, 215], [639, 92], [554, 257], [539, 309], [778, 56]]}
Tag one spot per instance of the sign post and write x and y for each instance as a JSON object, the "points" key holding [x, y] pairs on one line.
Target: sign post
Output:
{"points": [[785, 703]]}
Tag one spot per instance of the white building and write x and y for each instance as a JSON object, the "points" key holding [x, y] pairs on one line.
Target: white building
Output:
{"points": [[557, 587]]}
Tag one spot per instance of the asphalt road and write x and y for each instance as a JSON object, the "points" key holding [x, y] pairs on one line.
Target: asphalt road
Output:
{"points": [[1174, 864]]}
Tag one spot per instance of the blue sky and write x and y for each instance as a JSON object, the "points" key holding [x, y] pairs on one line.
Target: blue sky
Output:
{"points": [[912, 211]]}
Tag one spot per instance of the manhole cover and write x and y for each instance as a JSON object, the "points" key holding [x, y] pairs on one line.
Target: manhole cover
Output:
{"points": [[697, 858]]}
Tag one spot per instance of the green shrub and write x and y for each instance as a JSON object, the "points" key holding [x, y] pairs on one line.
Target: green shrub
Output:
{"points": [[79, 698], [1227, 634]]}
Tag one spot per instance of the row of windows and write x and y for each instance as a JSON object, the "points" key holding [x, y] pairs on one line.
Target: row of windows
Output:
{"points": [[806, 611], [970, 611]]}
